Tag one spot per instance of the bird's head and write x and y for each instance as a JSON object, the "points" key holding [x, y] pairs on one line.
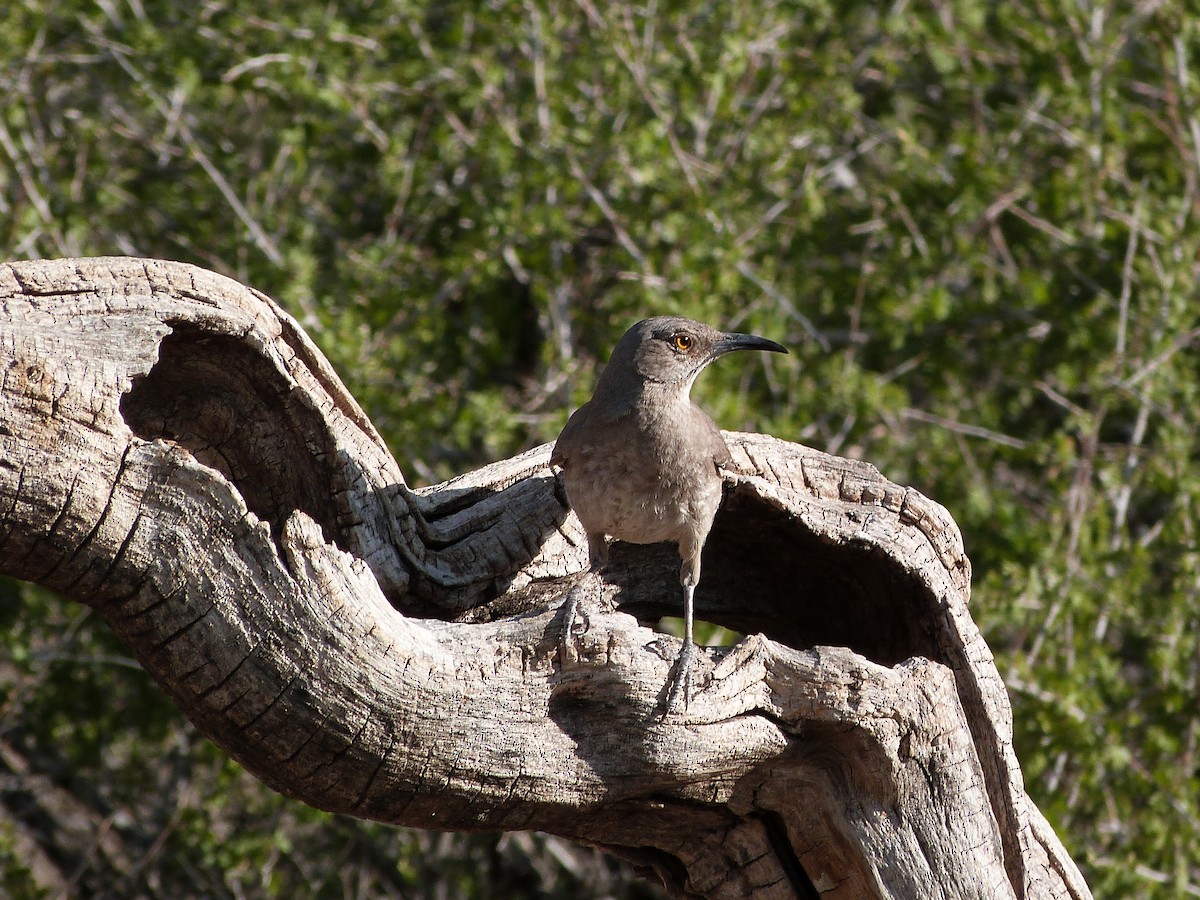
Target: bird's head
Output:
{"points": [[672, 351]]}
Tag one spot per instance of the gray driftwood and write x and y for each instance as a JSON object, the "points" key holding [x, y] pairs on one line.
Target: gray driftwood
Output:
{"points": [[176, 454]]}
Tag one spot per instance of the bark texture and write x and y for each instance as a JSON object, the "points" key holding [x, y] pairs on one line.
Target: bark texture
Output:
{"points": [[176, 454]]}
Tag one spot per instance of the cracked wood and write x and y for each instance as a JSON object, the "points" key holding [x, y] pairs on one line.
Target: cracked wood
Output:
{"points": [[176, 454]]}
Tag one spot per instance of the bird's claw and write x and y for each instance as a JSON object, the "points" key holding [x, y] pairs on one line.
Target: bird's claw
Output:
{"points": [[574, 622], [571, 613], [681, 682], [575, 619]]}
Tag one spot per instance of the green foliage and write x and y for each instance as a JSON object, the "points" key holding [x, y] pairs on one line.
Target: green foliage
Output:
{"points": [[974, 224]]}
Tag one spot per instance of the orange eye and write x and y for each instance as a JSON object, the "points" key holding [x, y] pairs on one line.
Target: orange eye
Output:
{"points": [[682, 342]]}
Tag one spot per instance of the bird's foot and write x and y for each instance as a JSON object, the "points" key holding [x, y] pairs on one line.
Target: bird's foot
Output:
{"points": [[587, 593], [573, 620], [681, 683]]}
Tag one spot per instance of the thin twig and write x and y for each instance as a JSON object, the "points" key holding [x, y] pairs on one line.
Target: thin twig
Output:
{"points": [[1175, 346], [259, 235], [976, 431], [1127, 278], [767, 288], [609, 213]]}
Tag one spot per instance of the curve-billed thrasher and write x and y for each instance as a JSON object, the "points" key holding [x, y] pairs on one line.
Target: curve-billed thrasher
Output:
{"points": [[642, 463]]}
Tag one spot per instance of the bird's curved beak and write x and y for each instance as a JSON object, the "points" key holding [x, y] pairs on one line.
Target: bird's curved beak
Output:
{"points": [[730, 341]]}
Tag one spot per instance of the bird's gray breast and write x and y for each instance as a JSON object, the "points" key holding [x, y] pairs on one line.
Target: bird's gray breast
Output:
{"points": [[649, 478]]}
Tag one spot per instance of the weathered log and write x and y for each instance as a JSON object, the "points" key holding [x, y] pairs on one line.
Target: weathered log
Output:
{"points": [[176, 454]]}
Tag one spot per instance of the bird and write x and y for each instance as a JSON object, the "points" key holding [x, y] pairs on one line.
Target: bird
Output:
{"points": [[641, 462]]}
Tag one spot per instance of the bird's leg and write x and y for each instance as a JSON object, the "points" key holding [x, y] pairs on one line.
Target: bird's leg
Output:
{"points": [[597, 558], [681, 686]]}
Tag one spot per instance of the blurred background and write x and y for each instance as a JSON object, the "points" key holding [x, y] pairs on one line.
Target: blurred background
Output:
{"points": [[975, 225]]}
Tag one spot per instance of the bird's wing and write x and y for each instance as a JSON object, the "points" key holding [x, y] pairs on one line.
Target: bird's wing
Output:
{"points": [[714, 441], [565, 446], [721, 455]]}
